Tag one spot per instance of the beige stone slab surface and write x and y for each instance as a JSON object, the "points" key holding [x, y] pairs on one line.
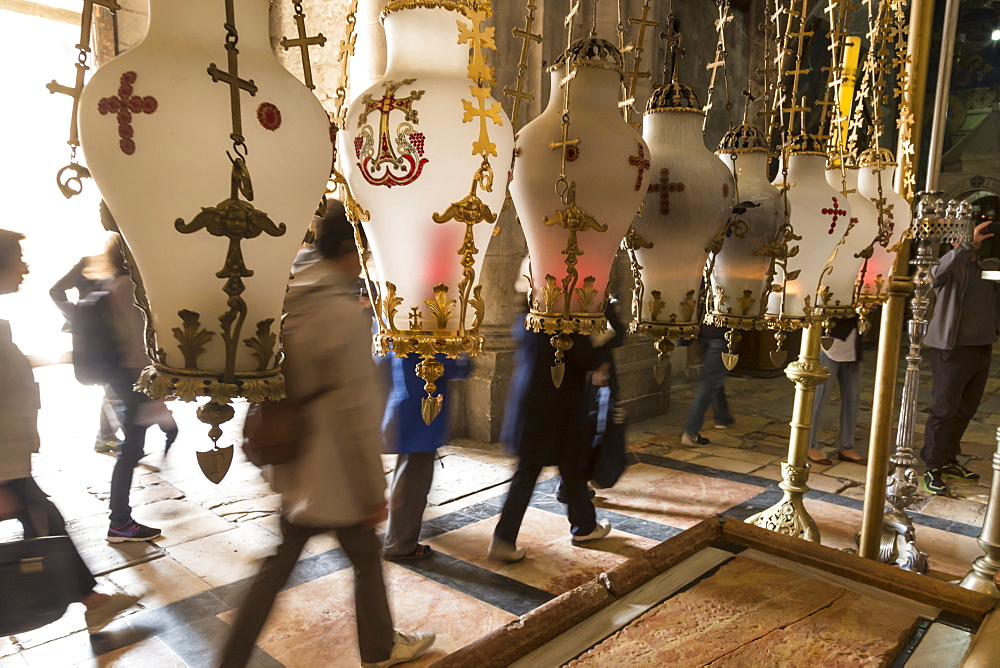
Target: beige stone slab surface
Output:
{"points": [[553, 562], [959, 510], [228, 556], [13, 661], [758, 458], [684, 454], [150, 652], [90, 537], [727, 464], [181, 521], [846, 470], [671, 497], [741, 602], [159, 582], [7, 647], [854, 630], [313, 624]]}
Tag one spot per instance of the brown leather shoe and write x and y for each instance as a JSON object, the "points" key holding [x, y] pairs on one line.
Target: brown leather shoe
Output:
{"points": [[825, 461], [863, 461]]}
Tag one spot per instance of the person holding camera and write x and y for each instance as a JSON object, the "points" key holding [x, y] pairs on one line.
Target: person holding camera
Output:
{"points": [[960, 338]]}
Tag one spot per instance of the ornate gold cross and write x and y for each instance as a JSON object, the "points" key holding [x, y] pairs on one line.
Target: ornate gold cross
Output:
{"points": [[526, 37], [482, 146], [303, 41], [479, 38], [636, 73], [232, 77]]}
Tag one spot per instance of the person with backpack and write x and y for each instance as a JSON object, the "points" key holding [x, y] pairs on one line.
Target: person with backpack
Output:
{"points": [[335, 481], [109, 328], [20, 496], [107, 434]]}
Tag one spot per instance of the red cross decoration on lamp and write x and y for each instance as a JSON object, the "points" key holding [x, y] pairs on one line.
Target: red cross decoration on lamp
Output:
{"points": [[834, 211], [665, 187], [640, 161], [123, 106]]}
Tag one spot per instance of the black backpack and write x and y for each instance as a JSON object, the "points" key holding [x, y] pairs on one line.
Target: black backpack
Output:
{"points": [[96, 356]]}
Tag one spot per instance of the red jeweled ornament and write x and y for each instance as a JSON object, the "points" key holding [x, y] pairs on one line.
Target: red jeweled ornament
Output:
{"points": [[642, 162], [123, 106], [269, 116]]}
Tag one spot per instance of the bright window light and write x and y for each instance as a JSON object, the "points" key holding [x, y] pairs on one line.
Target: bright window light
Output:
{"points": [[996, 35]]}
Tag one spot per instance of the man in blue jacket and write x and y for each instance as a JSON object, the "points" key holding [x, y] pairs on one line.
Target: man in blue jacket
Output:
{"points": [[960, 338]]}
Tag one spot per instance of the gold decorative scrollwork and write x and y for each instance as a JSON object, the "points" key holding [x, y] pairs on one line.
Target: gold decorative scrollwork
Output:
{"points": [[262, 343], [441, 307], [160, 381], [191, 337], [656, 305]]}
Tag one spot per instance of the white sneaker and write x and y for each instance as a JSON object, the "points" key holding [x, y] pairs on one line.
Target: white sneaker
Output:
{"points": [[407, 647], [603, 529], [103, 614], [501, 550]]}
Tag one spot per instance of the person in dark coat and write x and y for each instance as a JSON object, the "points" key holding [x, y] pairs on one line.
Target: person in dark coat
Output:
{"points": [[415, 442], [548, 426]]}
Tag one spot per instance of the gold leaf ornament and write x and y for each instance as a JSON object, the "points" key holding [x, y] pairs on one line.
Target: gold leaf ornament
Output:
{"points": [[192, 337], [441, 307]]}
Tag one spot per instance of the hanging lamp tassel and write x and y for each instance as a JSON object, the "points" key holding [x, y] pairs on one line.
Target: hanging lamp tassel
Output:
{"points": [[215, 463], [730, 358], [779, 355], [663, 348], [429, 370], [562, 343]]}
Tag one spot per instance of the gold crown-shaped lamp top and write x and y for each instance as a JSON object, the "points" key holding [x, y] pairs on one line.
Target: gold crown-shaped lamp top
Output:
{"points": [[744, 138], [807, 144], [673, 96], [874, 157], [592, 52], [466, 7]]}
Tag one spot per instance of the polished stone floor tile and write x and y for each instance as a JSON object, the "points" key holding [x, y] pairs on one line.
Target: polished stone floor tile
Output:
{"points": [[159, 582], [314, 624], [149, 652], [553, 563], [671, 497], [228, 556]]}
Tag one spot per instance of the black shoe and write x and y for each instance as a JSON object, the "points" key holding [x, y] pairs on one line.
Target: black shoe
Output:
{"points": [[689, 440], [959, 472], [933, 483], [561, 498], [171, 437]]}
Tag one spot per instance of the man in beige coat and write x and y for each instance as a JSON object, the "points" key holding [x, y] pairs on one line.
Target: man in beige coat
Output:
{"points": [[336, 482]]}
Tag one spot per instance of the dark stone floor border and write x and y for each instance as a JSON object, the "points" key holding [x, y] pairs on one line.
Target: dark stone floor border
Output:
{"points": [[190, 627]]}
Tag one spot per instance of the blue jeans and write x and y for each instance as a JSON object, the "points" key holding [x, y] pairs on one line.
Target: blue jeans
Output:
{"points": [[132, 448], [711, 388], [848, 375]]}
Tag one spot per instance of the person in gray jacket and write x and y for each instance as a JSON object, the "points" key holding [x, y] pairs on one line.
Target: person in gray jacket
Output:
{"points": [[336, 482], [960, 338]]}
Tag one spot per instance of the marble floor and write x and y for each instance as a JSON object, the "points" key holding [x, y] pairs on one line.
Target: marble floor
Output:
{"points": [[215, 535]]}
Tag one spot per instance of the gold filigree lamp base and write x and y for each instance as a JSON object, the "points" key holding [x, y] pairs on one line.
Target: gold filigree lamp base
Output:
{"points": [[160, 381], [663, 332], [781, 326], [561, 326]]}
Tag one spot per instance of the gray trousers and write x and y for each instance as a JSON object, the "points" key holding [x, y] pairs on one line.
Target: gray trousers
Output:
{"points": [[848, 375], [371, 607], [411, 483]]}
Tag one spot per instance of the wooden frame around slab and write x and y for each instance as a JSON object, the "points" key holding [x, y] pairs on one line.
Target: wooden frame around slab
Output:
{"points": [[532, 630]]}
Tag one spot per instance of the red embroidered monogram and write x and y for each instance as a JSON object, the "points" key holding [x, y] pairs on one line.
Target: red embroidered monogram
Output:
{"points": [[384, 167]]}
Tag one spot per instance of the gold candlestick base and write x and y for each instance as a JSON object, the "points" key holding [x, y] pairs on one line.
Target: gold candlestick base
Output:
{"points": [[789, 516]]}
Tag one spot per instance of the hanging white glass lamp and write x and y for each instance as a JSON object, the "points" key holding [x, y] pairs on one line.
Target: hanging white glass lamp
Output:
{"points": [[740, 275], [838, 285], [878, 168], [819, 217], [574, 225], [687, 204], [427, 152], [212, 159]]}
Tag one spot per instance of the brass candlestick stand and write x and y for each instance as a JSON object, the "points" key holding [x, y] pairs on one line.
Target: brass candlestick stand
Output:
{"points": [[936, 221], [983, 576], [789, 516]]}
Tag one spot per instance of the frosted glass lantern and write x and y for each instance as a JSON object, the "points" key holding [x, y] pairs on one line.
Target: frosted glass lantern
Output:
{"points": [[427, 152], [740, 280], [572, 242], [155, 125], [879, 167], [820, 216], [687, 204], [838, 285]]}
